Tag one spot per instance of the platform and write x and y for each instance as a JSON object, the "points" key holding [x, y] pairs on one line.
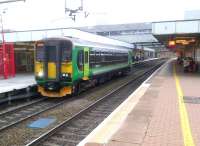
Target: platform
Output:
{"points": [[163, 111], [18, 82]]}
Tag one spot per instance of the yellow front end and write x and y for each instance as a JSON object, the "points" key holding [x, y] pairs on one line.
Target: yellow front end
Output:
{"points": [[66, 69], [51, 71], [63, 92], [39, 69]]}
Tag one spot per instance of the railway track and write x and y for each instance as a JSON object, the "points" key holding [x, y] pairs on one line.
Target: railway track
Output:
{"points": [[14, 116], [75, 129], [11, 108], [19, 114]]}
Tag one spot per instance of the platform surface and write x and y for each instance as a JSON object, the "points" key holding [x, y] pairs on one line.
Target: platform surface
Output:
{"points": [[164, 111], [18, 82]]}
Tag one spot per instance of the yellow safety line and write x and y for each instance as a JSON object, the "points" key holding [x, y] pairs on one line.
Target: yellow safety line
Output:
{"points": [[185, 125]]}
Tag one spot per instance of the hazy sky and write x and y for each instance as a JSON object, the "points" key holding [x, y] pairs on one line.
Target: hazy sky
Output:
{"points": [[37, 14]]}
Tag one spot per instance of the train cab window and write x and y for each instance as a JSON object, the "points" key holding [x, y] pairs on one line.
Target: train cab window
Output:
{"points": [[40, 53], [51, 53], [66, 51], [66, 54], [80, 60]]}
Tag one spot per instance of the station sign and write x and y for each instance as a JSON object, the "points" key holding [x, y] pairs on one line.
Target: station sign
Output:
{"points": [[173, 43]]}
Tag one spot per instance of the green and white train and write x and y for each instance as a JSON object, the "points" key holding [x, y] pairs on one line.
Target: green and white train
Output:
{"points": [[65, 65]]}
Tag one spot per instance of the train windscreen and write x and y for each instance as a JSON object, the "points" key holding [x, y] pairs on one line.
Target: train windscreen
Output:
{"points": [[66, 54], [51, 53], [66, 51], [40, 52]]}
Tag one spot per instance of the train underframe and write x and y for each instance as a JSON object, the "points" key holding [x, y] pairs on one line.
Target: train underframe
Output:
{"points": [[54, 89]]}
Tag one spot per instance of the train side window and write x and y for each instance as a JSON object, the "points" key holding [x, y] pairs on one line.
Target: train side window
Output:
{"points": [[97, 57], [92, 58], [80, 60], [103, 55]]}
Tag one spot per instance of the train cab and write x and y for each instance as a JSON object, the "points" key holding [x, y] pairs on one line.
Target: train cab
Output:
{"points": [[53, 64]]}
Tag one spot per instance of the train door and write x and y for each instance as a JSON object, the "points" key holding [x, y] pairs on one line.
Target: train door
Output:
{"points": [[86, 64]]}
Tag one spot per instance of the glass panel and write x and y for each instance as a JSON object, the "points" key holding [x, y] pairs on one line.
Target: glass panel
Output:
{"points": [[80, 60], [66, 54], [40, 53], [66, 51], [51, 53]]}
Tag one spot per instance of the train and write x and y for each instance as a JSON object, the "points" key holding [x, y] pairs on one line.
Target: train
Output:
{"points": [[140, 54], [65, 65]]}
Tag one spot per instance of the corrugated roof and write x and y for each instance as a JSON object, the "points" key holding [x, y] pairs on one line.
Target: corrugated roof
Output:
{"points": [[116, 27], [135, 38]]}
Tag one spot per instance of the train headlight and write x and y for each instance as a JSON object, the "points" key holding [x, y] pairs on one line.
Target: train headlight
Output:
{"points": [[65, 75], [41, 74]]}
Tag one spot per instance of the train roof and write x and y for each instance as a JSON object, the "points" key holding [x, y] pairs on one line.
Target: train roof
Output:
{"points": [[91, 40], [80, 42], [80, 37]]}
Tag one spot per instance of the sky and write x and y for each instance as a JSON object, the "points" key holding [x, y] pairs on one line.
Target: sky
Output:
{"points": [[42, 14]]}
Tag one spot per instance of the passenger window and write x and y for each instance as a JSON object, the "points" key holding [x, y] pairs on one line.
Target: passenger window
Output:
{"points": [[92, 58], [98, 57], [80, 60]]}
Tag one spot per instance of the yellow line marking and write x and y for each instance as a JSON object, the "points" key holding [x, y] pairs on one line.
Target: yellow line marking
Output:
{"points": [[185, 125]]}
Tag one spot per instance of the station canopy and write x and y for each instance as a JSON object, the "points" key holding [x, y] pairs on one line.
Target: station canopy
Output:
{"points": [[137, 34], [180, 33]]}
